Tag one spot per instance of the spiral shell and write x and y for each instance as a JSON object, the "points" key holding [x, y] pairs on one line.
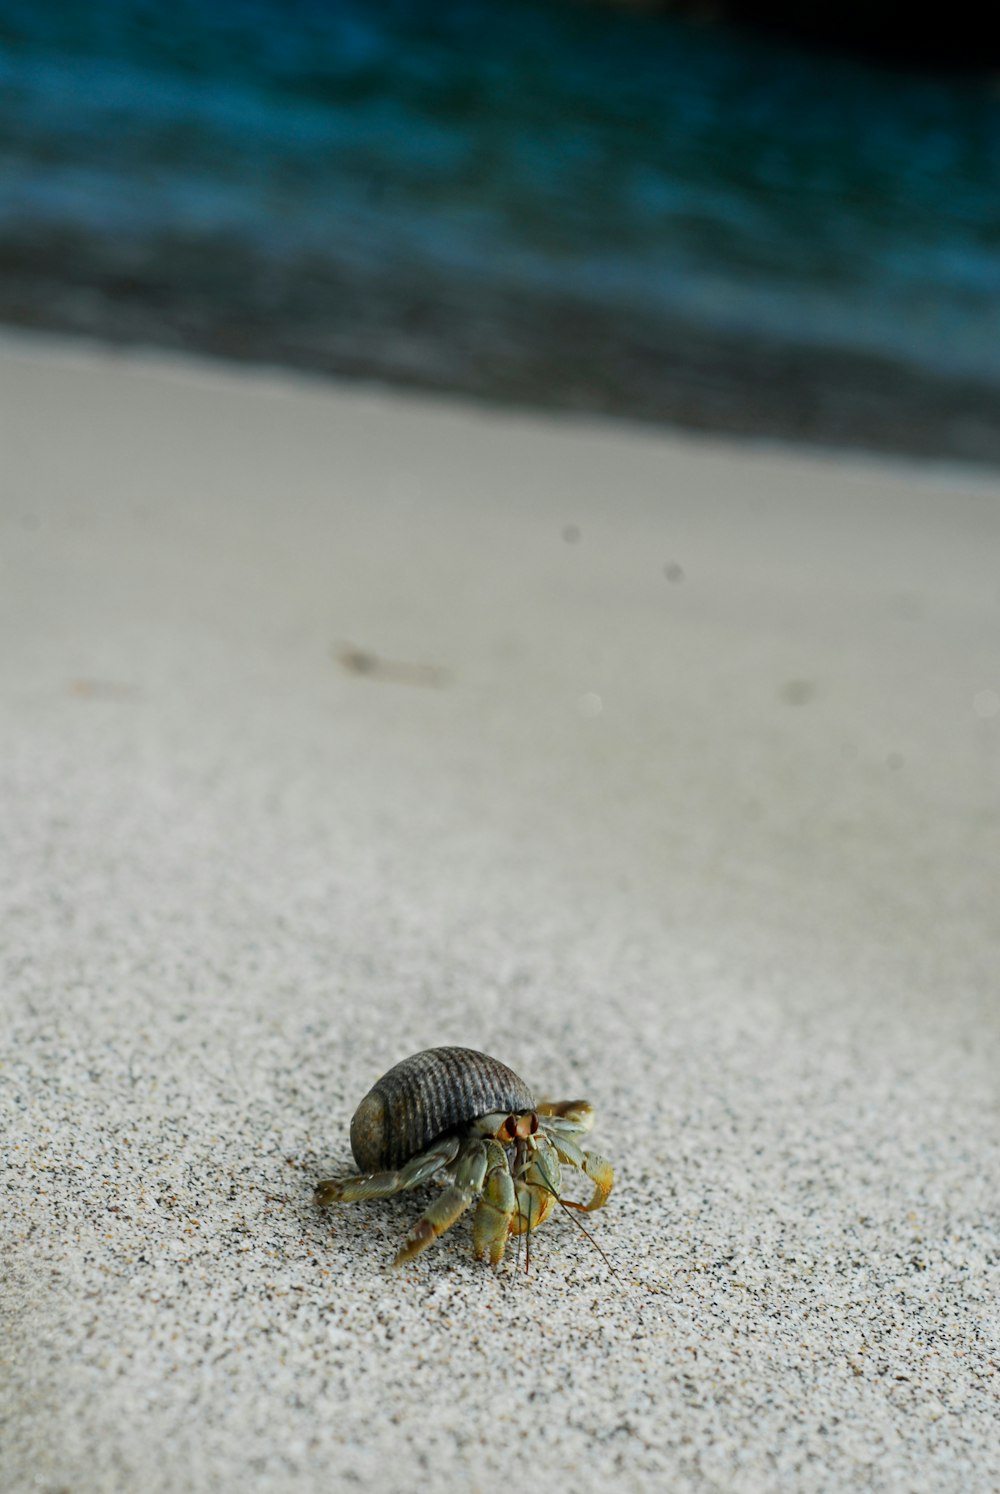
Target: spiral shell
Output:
{"points": [[425, 1096]]}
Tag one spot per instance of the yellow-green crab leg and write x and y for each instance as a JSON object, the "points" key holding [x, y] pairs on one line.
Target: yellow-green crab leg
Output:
{"points": [[593, 1166], [537, 1188], [491, 1223], [567, 1117], [451, 1203], [385, 1184]]}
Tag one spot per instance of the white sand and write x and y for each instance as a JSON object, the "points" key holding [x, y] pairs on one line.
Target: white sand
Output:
{"points": [[719, 852]]}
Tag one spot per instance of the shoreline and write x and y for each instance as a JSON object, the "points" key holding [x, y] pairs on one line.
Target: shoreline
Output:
{"points": [[605, 364], [88, 346]]}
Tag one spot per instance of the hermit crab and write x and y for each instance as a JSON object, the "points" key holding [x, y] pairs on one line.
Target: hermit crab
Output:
{"points": [[458, 1113]]}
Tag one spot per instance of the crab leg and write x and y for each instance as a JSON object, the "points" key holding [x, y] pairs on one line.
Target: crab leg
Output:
{"points": [[537, 1187], [593, 1166], [535, 1203], [450, 1204], [567, 1117], [385, 1184], [491, 1224]]}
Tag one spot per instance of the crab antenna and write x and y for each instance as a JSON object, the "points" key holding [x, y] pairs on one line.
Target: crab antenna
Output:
{"points": [[522, 1237], [582, 1228], [586, 1232]]}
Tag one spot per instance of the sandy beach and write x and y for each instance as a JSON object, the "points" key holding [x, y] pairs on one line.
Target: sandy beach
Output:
{"points": [[337, 724]]}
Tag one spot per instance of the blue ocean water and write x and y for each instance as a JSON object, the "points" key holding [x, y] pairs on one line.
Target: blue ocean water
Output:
{"points": [[531, 200]]}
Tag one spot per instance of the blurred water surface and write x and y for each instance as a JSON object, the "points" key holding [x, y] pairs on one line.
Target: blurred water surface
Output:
{"points": [[531, 201]]}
